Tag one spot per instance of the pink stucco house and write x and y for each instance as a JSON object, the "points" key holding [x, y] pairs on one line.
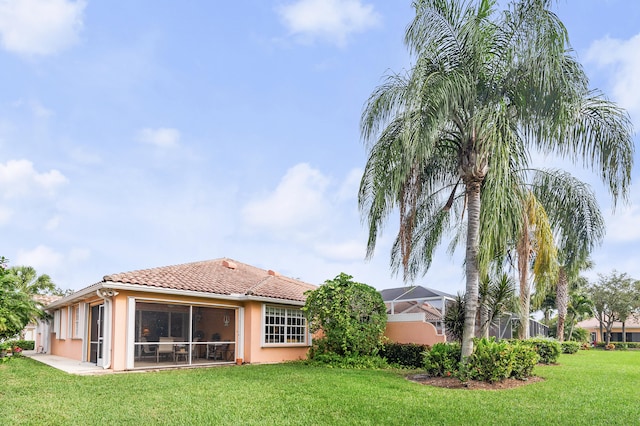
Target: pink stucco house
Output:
{"points": [[202, 313]]}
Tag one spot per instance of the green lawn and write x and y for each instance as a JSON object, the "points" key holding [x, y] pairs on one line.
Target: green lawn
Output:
{"points": [[591, 387]]}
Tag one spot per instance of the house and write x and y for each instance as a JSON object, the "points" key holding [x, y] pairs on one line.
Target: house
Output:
{"points": [[631, 329], [202, 313], [38, 330], [415, 314]]}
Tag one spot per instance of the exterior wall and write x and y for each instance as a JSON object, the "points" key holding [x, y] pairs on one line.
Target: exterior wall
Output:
{"points": [[616, 332], [255, 352], [63, 343], [419, 332], [119, 332]]}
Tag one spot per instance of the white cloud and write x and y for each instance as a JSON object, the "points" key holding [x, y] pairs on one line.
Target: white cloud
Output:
{"points": [[40, 27], [162, 137], [621, 60], [349, 188], [18, 177], [623, 225], [298, 201], [42, 258], [331, 20]]}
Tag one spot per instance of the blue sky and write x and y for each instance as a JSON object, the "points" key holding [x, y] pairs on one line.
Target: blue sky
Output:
{"points": [[136, 134]]}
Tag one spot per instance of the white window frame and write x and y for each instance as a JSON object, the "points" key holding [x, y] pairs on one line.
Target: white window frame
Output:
{"points": [[56, 323], [287, 336], [76, 321]]}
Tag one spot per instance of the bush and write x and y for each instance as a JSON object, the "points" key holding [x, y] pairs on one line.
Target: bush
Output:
{"points": [[351, 317], [26, 345], [490, 361], [357, 362], [525, 359], [442, 360], [570, 347], [408, 355], [547, 349]]}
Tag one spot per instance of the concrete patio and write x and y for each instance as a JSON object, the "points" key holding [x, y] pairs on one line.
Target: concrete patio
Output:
{"points": [[67, 365]]}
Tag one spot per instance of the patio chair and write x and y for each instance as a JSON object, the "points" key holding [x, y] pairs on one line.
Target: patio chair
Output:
{"points": [[165, 347], [147, 350]]}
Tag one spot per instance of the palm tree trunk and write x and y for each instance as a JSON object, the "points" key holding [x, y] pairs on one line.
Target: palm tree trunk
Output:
{"points": [[471, 264], [624, 337], [523, 272], [573, 320], [562, 300]]}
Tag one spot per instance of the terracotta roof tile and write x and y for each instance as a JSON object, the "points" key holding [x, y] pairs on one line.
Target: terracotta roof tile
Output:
{"points": [[217, 276]]}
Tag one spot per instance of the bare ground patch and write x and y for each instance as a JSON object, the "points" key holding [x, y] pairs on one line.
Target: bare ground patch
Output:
{"points": [[453, 383]]}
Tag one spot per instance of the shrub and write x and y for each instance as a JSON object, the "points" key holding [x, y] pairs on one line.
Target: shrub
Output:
{"points": [[351, 316], [26, 345], [357, 362], [570, 347], [442, 359], [525, 359], [547, 349], [490, 361], [409, 355]]}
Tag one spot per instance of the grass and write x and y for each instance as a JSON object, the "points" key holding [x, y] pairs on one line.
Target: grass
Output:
{"points": [[590, 387]]}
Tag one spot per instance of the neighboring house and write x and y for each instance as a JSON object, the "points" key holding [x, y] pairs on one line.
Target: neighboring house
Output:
{"points": [[414, 314], [39, 331], [631, 329], [202, 313]]}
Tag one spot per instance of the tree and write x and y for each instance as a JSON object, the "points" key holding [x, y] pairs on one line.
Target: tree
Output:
{"points": [[29, 282], [611, 295], [351, 317], [17, 308], [575, 217], [579, 307], [481, 93], [535, 250], [496, 299]]}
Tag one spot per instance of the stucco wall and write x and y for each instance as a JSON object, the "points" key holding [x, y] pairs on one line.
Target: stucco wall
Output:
{"points": [[419, 332], [255, 351]]}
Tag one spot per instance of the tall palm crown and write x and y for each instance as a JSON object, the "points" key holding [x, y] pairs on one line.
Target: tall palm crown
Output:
{"points": [[484, 89]]}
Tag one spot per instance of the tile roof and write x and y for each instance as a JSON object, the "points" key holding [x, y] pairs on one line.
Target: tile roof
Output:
{"points": [[431, 313], [219, 276], [45, 299], [412, 293]]}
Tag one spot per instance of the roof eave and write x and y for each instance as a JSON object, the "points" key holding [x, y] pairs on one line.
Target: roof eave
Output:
{"points": [[84, 293]]}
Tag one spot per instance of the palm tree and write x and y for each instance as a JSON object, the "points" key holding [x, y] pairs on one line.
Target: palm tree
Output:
{"points": [[576, 219], [29, 282], [578, 308], [534, 247], [482, 92], [496, 298]]}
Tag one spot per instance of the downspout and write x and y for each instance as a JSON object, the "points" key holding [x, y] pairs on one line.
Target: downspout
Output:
{"points": [[106, 294]]}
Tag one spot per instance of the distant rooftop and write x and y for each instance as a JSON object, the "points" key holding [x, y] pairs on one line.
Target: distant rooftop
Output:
{"points": [[412, 293]]}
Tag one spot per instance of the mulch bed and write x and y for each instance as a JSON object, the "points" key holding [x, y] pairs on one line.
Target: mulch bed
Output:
{"points": [[453, 383]]}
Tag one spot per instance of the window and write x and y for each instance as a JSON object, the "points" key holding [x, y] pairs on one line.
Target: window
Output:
{"points": [[56, 323], [76, 321], [284, 326]]}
